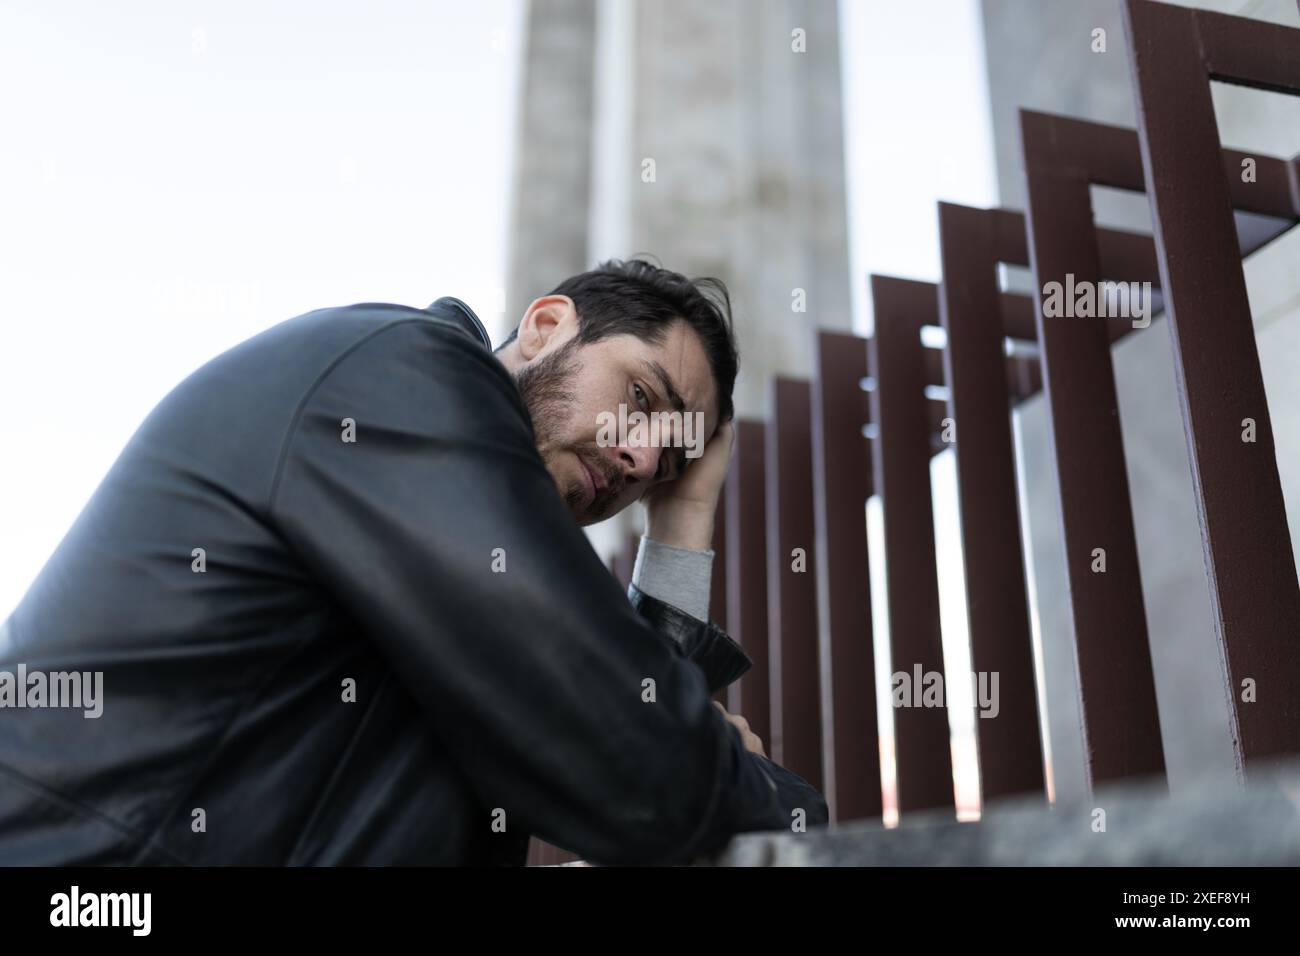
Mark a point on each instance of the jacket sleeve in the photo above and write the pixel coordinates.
(440, 532)
(723, 661)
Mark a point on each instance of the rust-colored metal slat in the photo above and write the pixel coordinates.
(792, 590)
(841, 487)
(746, 569)
(1121, 721)
(972, 242)
(1173, 53)
(902, 480)
(718, 580)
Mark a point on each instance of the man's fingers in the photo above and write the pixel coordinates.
(753, 743)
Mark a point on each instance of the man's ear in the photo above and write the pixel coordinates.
(549, 322)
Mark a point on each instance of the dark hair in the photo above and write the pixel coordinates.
(636, 297)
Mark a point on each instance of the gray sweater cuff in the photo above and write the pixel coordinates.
(676, 576)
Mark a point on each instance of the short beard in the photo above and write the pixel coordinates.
(548, 396)
(546, 389)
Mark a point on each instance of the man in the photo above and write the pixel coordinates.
(341, 615)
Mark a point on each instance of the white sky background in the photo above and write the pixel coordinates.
(918, 130)
(178, 176)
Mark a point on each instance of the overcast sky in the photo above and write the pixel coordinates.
(176, 179)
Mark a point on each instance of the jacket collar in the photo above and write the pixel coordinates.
(456, 311)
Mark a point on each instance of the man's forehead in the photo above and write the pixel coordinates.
(680, 364)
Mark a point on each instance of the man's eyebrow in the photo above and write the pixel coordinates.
(666, 383)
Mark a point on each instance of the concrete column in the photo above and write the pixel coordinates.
(741, 117)
(552, 179)
(718, 149)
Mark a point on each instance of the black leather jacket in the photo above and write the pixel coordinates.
(486, 704)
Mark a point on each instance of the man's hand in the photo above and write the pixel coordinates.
(680, 513)
(752, 742)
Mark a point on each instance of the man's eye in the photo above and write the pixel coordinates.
(641, 398)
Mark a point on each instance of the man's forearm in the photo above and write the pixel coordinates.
(681, 577)
(676, 576)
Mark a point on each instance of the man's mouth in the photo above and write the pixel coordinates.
(592, 486)
(596, 481)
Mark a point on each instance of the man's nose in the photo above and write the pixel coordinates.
(640, 462)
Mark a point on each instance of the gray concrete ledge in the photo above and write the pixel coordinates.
(1206, 824)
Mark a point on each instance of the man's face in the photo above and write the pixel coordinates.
(573, 393)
